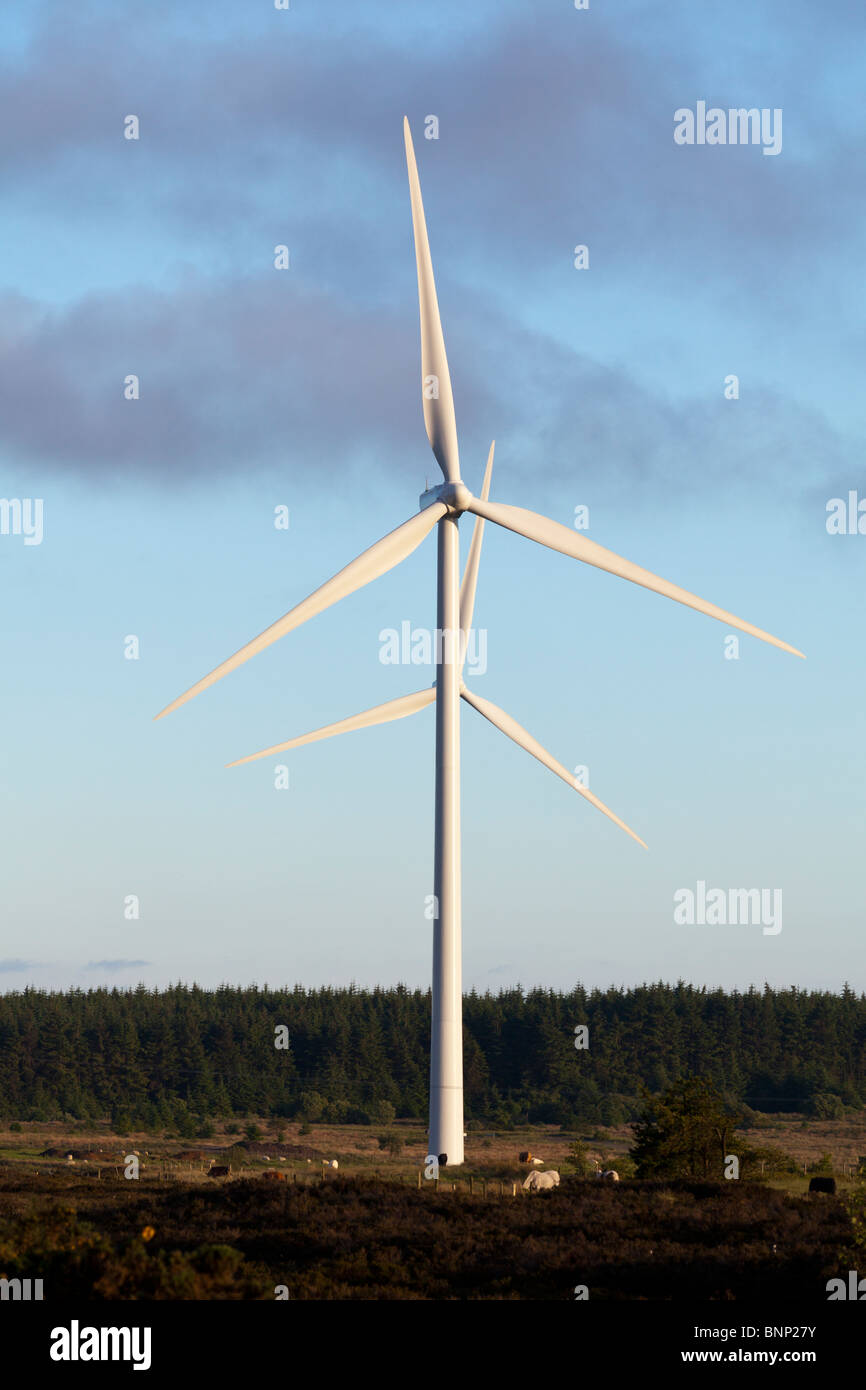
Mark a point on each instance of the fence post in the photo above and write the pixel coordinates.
(419, 1179)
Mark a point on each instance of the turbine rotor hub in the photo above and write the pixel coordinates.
(456, 497)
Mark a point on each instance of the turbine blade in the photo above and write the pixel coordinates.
(523, 739)
(439, 410)
(381, 714)
(558, 537)
(377, 560)
(470, 577)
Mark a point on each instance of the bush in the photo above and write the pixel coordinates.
(825, 1106)
(581, 1164)
(186, 1125)
(392, 1142)
(823, 1166)
(765, 1162)
(382, 1112)
(312, 1105)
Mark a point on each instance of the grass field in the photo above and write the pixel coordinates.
(358, 1151)
(365, 1230)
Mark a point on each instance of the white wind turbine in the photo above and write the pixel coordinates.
(443, 506)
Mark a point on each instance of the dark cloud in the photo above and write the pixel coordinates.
(551, 132)
(244, 376)
(548, 130)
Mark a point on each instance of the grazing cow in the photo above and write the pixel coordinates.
(823, 1185)
(273, 1175)
(539, 1181)
(609, 1173)
(220, 1170)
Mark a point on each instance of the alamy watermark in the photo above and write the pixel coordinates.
(21, 1290)
(846, 517)
(717, 125)
(718, 907)
(22, 516)
(420, 647)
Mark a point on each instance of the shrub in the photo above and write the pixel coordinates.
(382, 1112)
(392, 1142)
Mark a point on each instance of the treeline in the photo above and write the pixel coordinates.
(180, 1056)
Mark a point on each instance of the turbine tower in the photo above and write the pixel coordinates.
(442, 506)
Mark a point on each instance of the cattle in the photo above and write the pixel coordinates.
(827, 1185)
(219, 1170)
(524, 1157)
(273, 1174)
(537, 1182)
(609, 1173)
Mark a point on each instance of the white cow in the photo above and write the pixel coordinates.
(539, 1181)
(609, 1173)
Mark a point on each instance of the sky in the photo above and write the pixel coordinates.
(607, 387)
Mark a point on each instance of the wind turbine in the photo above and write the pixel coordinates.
(442, 507)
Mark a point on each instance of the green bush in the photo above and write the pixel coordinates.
(392, 1142)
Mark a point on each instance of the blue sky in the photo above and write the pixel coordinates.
(260, 387)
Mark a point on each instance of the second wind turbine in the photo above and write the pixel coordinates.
(442, 506)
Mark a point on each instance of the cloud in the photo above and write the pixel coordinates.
(551, 132)
(14, 966)
(112, 966)
(545, 126)
(225, 388)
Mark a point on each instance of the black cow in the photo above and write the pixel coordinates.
(827, 1185)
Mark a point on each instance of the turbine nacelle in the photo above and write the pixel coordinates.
(455, 496)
